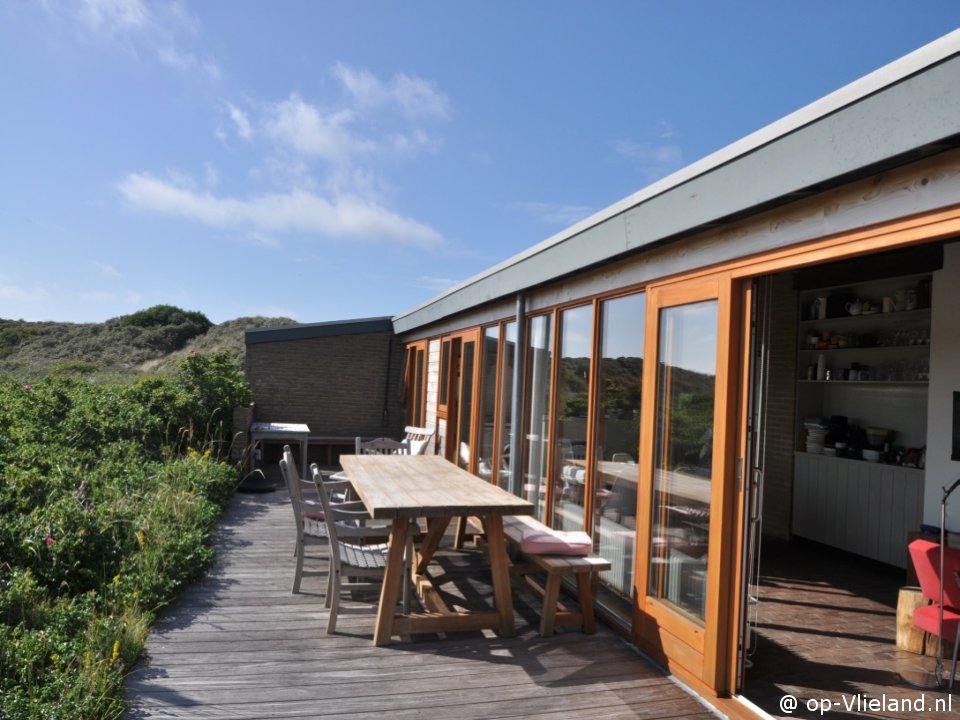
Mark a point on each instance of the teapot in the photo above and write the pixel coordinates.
(854, 307)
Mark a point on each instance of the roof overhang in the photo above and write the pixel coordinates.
(336, 328)
(903, 111)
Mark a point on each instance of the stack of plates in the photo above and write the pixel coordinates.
(815, 439)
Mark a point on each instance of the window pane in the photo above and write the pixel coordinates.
(488, 390)
(537, 420)
(418, 388)
(683, 454)
(506, 402)
(619, 385)
(444, 371)
(573, 385)
(466, 404)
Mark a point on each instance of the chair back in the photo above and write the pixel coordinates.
(418, 438)
(323, 489)
(291, 476)
(382, 446)
(925, 555)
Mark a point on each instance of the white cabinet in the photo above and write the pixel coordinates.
(863, 508)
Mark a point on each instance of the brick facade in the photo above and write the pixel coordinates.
(340, 385)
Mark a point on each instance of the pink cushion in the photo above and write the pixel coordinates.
(555, 542)
(313, 514)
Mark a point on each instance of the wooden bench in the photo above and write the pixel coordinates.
(556, 567)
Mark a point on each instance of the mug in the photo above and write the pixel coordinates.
(899, 300)
(854, 307)
(888, 304)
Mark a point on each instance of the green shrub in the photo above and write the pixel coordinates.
(108, 496)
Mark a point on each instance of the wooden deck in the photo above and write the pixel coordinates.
(241, 645)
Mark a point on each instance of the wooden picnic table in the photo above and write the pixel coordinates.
(404, 488)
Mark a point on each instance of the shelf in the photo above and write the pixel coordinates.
(919, 383)
(904, 315)
(872, 348)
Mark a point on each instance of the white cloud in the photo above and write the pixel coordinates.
(241, 121)
(105, 269)
(211, 174)
(436, 284)
(656, 159)
(301, 126)
(413, 96)
(345, 217)
(114, 15)
(172, 56)
(20, 294)
(161, 29)
(553, 213)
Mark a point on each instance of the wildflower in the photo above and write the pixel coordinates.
(192, 453)
(116, 651)
(49, 541)
(141, 538)
(55, 659)
(116, 579)
(28, 387)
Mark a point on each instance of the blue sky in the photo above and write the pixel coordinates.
(330, 160)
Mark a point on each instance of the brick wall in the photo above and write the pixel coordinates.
(781, 410)
(334, 384)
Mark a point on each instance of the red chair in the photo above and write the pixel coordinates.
(926, 560)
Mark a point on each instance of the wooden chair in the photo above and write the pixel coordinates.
(309, 519)
(382, 446)
(418, 438)
(307, 513)
(358, 553)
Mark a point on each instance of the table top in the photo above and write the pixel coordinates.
(393, 486)
(274, 428)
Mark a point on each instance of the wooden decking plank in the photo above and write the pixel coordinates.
(240, 645)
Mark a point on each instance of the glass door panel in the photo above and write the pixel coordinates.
(619, 388)
(537, 409)
(573, 386)
(464, 447)
(488, 403)
(683, 456)
(505, 422)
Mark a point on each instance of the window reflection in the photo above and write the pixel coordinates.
(488, 396)
(505, 436)
(683, 454)
(619, 385)
(573, 385)
(537, 404)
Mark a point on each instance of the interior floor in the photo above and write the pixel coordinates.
(827, 624)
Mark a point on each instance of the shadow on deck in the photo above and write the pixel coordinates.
(239, 644)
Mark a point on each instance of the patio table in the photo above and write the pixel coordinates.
(404, 488)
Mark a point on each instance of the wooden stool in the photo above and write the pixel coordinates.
(910, 638)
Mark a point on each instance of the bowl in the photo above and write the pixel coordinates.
(871, 455)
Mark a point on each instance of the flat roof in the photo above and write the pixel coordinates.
(894, 114)
(284, 333)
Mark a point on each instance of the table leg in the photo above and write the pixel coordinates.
(392, 577)
(436, 527)
(500, 570)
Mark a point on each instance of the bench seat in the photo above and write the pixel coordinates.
(586, 568)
